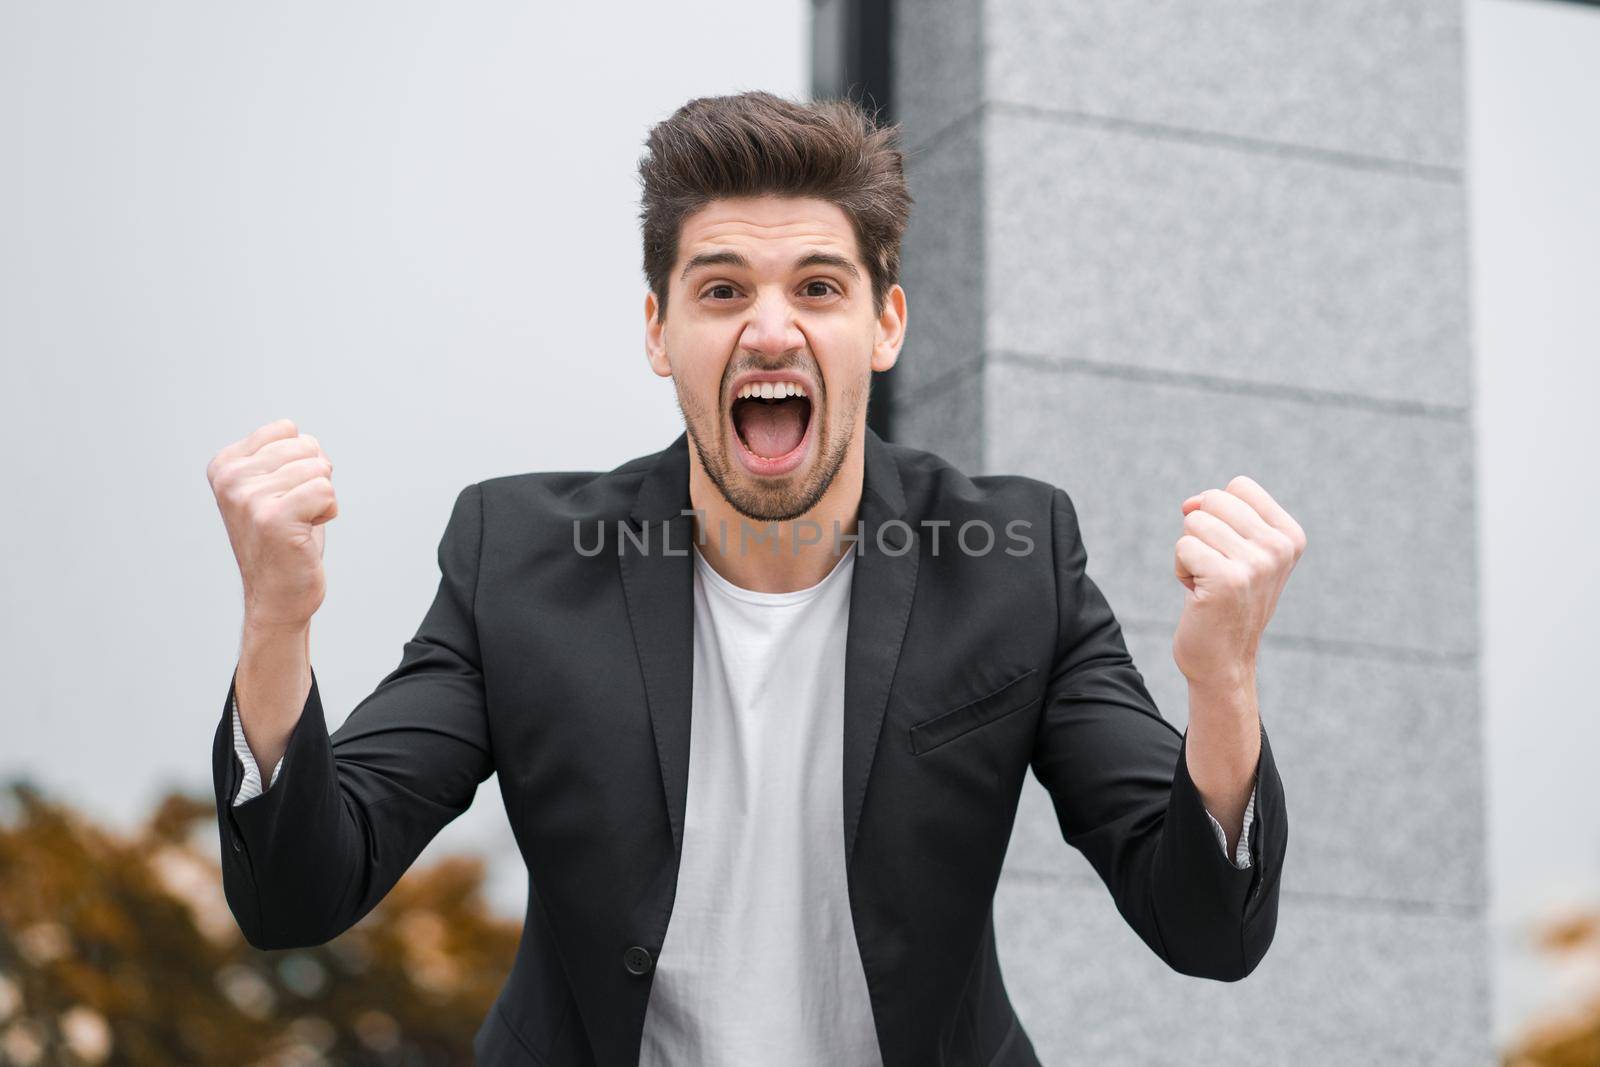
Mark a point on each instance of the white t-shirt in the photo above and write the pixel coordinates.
(760, 964)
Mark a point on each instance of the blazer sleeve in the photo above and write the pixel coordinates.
(1117, 774)
(306, 859)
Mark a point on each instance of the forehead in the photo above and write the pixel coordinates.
(767, 226)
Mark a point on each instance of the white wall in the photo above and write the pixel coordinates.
(412, 228)
(1534, 81)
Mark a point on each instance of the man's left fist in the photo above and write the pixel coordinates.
(1236, 552)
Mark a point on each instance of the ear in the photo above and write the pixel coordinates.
(655, 347)
(891, 329)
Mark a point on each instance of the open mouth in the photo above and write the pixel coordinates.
(773, 427)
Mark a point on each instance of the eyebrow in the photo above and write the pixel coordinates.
(734, 259)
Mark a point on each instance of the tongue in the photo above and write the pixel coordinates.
(771, 430)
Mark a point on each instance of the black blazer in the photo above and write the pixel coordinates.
(569, 674)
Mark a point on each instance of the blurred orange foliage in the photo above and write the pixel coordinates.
(1571, 1037)
(120, 949)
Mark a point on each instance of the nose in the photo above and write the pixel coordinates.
(773, 328)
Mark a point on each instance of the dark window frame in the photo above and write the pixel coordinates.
(852, 57)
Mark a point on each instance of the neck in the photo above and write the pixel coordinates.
(778, 557)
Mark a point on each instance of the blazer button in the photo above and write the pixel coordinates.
(637, 960)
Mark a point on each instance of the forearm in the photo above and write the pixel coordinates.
(271, 685)
(1224, 750)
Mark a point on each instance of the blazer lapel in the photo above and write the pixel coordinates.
(659, 588)
(880, 605)
(660, 593)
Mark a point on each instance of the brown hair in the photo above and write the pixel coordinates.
(754, 144)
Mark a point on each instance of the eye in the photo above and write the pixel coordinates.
(825, 284)
(714, 288)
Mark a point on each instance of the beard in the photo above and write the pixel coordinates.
(783, 498)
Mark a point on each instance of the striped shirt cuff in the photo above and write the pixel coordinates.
(251, 787)
(1241, 858)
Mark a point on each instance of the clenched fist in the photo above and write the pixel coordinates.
(1236, 552)
(275, 490)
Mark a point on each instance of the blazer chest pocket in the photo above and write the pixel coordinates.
(947, 726)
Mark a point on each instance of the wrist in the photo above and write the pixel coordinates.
(1236, 690)
(274, 643)
(273, 629)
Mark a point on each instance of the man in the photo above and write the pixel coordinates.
(761, 703)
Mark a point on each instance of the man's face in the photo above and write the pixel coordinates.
(771, 293)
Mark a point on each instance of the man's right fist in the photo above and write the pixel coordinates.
(275, 491)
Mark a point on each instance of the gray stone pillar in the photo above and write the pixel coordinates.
(1158, 245)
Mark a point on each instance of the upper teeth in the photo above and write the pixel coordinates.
(770, 390)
